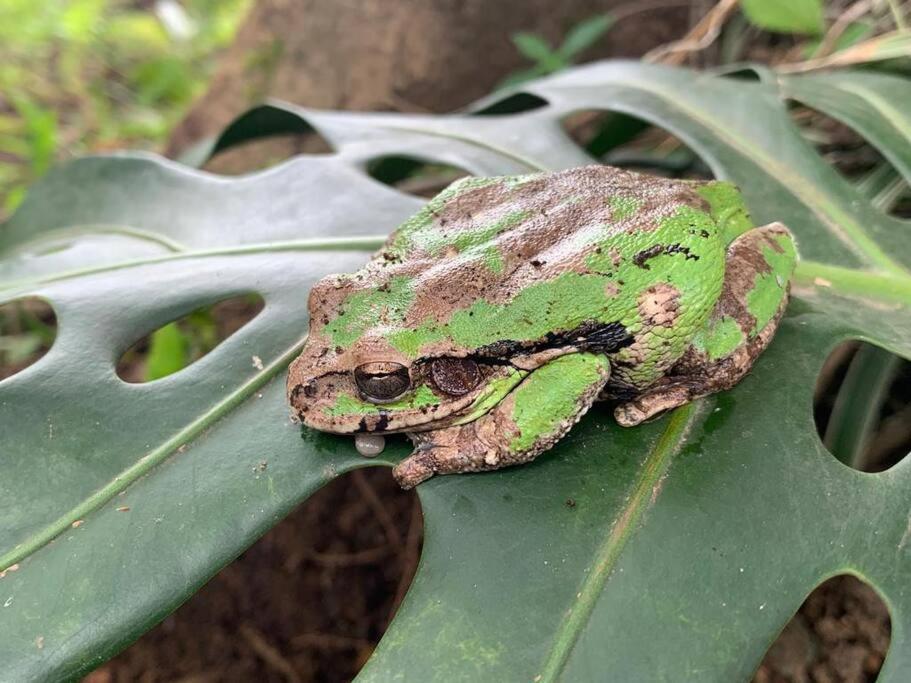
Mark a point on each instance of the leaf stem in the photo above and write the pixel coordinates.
(850, 282)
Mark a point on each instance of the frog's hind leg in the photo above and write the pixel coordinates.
(534, 416)
(758, 269)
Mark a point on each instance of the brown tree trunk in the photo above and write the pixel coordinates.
(405, 55)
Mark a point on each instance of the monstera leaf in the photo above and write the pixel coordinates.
(672, 551)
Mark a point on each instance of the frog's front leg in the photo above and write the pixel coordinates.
(758, 268)
(533, 416)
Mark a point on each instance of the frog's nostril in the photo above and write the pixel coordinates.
(383, 381)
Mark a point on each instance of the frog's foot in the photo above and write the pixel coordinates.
(752, 301)
(651, 404)
(533, 417)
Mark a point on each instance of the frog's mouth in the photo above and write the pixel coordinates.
(436, 397)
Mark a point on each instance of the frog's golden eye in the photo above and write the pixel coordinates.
(383, 381)
(455, 376)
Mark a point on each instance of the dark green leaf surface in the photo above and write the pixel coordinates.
(691, 540)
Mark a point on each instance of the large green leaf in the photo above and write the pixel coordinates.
(672, 551)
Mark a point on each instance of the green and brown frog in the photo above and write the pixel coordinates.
(489, 322)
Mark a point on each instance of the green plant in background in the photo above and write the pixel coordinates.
(874, 33)
(23, 333)
(786, 16)
(78, 76)
(702, 531)
(548, 59)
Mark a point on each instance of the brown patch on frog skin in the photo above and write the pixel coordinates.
(659, 305)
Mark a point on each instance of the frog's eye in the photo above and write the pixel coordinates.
(455, 376)
(382, 381)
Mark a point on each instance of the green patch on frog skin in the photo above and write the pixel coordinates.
(768, 290)
(624, 206)
(570, 299)
(719, 338)
(535, 311)
(495, 391)
(549, 397)
(727, 208)
(403, 244)
(366, 309)
(346, 404)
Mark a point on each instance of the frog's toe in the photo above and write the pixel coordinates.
(651, 404)
(629, 415)
(413, 470)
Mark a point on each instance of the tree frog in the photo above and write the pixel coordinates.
(490, 321)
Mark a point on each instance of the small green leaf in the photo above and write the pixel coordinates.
(40, 132)
(168, 352)
(786, 16)
(533, 46)
(585, 34)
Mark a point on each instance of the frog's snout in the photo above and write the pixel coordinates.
(382, 381)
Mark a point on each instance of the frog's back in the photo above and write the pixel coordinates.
(538, 258)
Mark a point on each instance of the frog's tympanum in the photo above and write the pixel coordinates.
(491, 320)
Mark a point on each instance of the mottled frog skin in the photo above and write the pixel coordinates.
(490, 321)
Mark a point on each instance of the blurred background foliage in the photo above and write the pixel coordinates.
(82, 76)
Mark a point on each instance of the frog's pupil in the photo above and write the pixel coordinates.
(383, 381)
(455, 376)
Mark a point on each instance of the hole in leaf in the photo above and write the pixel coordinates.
(862, 406)
(315, 594)
(742, 72)
(28, 328)
(629, 142)
(517, 103)
(412, 175)
(841, 633)
(858, 161)
(174, 346)
(263, 137)
(266, 152)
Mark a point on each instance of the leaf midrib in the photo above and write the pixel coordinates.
(642, 496)
(149, 461)
(365, 243)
